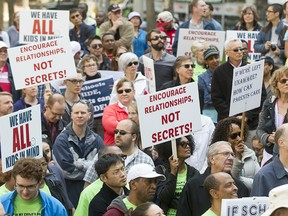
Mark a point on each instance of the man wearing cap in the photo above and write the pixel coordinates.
(274, 173)
(278, 202)
(165, 24)
(197, 21)
(142, 180)
(118, 26)
(139, 41)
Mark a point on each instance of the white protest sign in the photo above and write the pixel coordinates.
(169, 114)
(41, 63)
(250, 37)
(150, 73)
(186, 36)
(42, 25)
(247, 206)
(115, 74)
(246, 88)
(21, 136)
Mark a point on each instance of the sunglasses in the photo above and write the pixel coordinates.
(124, 90)
(132, 63)
(162, 37)
(187, 66)
(76, 81)
(96, 46)
(283, 81)
(184, 144)
(75, 16)
(238, 49)
(235, 135)
(121, 132)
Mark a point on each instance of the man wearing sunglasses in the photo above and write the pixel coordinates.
(221, 86)
(122, 29)
(27, 199)
(195, 200)
(163, 61)
(95, 47)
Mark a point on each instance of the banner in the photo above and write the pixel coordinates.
(41, 63)
(246, 87)
(250, 37)
(169, 114)
(42, 25)
(20, 136)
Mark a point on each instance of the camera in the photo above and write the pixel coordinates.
(273, 47)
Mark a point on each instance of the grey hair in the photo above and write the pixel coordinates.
(229, 41)
(125, 59)
(214, 148)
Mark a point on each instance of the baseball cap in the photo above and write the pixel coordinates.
(3, 44)
(209, 52)
(278, 198)
(134, 14)
(164, 18)
(143, 171)
(113, 8)
(76, 47)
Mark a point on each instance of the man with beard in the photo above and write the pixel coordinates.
(163, 61)
(195, 200)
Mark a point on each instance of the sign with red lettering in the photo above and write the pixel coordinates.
(41, 63)
(250, 37)
(169, 114)
(186, 36)
(20, 136)
(42, 25)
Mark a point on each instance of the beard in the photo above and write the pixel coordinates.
(158, 47)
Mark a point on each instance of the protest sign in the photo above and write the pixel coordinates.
(41, 63)
(169, 114)
(247, 206)
(21, 136)
(96, 92)
(115, 74)
(250, 37)
(246, 88)
(42, 25)
(187, 36)
(149, 73)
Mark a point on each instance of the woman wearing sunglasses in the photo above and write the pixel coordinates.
(274, 112)
(245, 163)
(177, 173)
(128, 63)
(118, 111)
(184, 67)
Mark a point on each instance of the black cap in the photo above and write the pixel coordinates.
(113, 8)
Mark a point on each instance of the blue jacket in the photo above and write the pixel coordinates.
(206, 26)
(259, 45)
(139, 43)
(50, 205)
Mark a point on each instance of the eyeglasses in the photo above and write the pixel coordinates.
(90, 65)
(238, 49)
(121, 132)
(162, 37)
(187, 66)
(120, 91)
(54, 113)
(283, 81)
(29, 187)
(96, 46)
(75, 16)
(184, 144)
(226, 154)
(234, 135)
(132, 63)
(270, 11)
(76, 81)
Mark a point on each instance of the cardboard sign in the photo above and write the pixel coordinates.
(247, 206)
(250, 37)
(41, 63)
(169, 114)
(246, 87)
(21, 136)
(42, 25)
(149, 73)
(186, 36)
(115, 74)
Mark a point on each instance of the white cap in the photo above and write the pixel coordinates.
(76, 47)
(143, 171)
(278, 198)
(3, 44)
(135, 14)
(164, 16)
